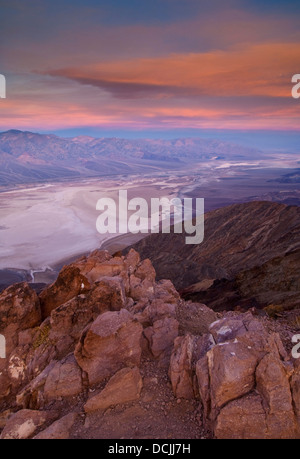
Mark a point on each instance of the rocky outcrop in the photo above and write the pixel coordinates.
(160, 337)
(187, 354)
(81, 348)
(19, 314)
(100, 317)
(69, 284)
(243, 379)
(19, 305)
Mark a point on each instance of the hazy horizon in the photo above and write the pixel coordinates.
(262, 139)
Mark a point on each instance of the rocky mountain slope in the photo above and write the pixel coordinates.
(249, 257)
(27, 157)
(107, 351)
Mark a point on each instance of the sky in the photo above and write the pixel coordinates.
(156, 67)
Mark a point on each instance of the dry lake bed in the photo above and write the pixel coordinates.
(42, 227)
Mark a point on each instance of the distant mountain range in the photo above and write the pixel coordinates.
(27, 157)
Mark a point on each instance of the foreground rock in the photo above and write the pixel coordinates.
(82, 346)
(243, 379)
(63, 380)
(125, 386)
(19, 313)
(25, 423)
(110, 343)
(59, 430)
(69, 284)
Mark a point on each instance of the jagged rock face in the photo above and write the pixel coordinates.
(93, 342)
(243, 379)
(249, 257)
(181, 366)
(84, 328)
(69, 284)
(19, 311)
(160, 337)
(279, 281)
(275, 282)
(19, 305)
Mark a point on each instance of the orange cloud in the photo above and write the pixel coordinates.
(241, 88)
(261, 70)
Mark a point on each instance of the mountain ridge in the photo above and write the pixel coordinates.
(27, 157)
(237, 239)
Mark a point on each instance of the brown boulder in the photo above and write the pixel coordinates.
(142, 281)
(160, 337)
(232, 368)
(187, 352)
(108, 293)
(4, 417)
(159, 309)
(16, 366)
(243, 418)
(180, 371)
(245, 382)
(19, 305)
(195, 318)
(273, 386)
(69, 284)
(165, 290)
(25, 423)
(72, 317)
(59, 430)
(131, 261)
(19, 311)
(32, 395)
(125, 386)
(109, 268)
(110, 343)
(140, 289)
(86, 263)
(42, 350)
(203, 380)
(145, 271)
(63, 380)
(226, 329)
